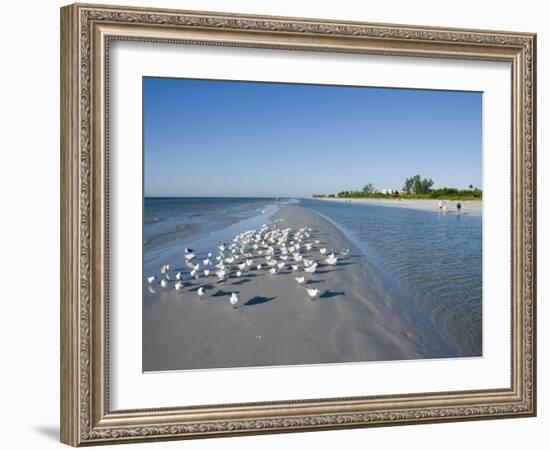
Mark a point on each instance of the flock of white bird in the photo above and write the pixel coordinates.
(270, 248)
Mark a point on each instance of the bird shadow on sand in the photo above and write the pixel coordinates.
(258, 300)
(196, 288)
(341, 264)
(314, 281)
(330, 294)
(241, 281)
(253, 275)
(221, 293)
(328, 271)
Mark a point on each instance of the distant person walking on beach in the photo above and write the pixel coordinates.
(458, 206)
(440, 204)
(444, 206)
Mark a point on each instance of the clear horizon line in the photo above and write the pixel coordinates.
(228, 196)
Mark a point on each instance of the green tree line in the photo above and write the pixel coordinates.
(413, 187)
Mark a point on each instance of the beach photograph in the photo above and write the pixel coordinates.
(294, 224)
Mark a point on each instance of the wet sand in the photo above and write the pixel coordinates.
(358, 316)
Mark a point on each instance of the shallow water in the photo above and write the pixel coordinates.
(171, 224)
(434, 259)
(169, 220)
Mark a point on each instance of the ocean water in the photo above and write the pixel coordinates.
(172, 223)
(175, 220)
(433, 260)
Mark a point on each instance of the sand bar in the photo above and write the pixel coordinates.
(357, 317)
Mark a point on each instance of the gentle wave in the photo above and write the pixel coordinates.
(169, 220)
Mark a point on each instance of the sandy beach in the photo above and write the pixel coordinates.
(356, 318)
(468, 206)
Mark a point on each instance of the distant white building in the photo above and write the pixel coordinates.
(388, 191)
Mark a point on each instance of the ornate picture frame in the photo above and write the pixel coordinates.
(86, 34)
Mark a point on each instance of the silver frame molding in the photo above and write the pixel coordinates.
(86, 32)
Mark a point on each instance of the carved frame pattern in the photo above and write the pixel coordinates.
(86, 418)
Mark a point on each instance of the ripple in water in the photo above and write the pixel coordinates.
(434, 259)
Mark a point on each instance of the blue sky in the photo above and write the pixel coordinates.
(227, 138)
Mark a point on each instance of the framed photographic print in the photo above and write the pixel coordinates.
(276, 224)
